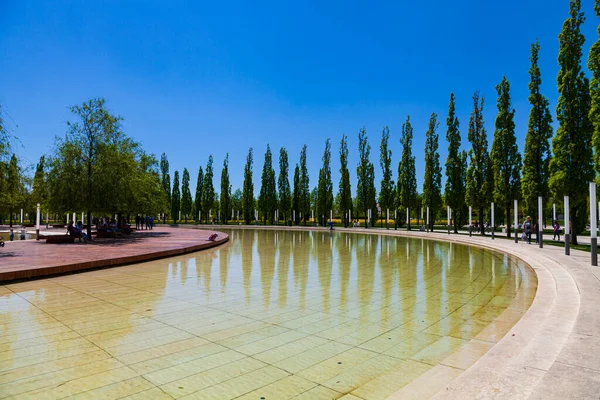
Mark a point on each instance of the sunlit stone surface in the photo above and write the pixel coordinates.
(274, 315)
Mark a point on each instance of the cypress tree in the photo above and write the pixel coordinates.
(505, 156)
(386, 192)
(165, 178)
(39, 194)
(454, 191)
(186, 195)
(225, 203)
(267, 199)
(407, 179)
(536, 157)
(248, 191)
(15, 189)
(198, 209)
(208, 191)
(432, 182)
(345, 192)
(175, 199)
(296, 196)
(479, 174)
(365, 172)
(304, 197)
(572, 168)
(324, 200)
(283, 183)
(594, 67)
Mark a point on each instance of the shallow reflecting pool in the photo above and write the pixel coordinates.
(273, 315)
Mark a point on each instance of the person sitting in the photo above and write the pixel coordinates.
(82, 234)
(213, 237)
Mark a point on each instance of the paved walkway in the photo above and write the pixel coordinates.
(553, 352)
(30, 258)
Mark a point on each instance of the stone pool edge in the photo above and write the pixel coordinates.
(548, 353)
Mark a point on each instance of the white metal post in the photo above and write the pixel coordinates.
(593, 224)
(427, 219)
(492, 220)
(567, 227)
(387, 219)
(553, 212)
(540, 226)
(448, 217)
(470, 221)
(37, 223)
(516, 222)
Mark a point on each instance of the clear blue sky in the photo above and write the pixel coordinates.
(217, 77)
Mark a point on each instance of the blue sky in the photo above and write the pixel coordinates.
(199, 78)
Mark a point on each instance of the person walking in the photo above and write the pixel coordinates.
(528, 228)
(556, 227)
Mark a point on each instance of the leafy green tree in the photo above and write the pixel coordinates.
(175, 199)
(88, 153)
(296, 195)
(248, 191)
(225, 202)
(432, 182)
(208, 191)
(165, 177)
(324, 201)
(304, 196)
(407, 179)
(505, 156)
(267, 199)
(198, 209)
(454, 191)
(536, 158)
(15, 188)
(386, 192)
(40, 189)
(236, 201)
(594, 67)
(344, 191)
(480, 182)
(186, 195)
(365, 171)
(283, 183)
(314, 193)
(572, 168)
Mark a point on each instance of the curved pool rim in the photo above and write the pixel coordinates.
(526, 361)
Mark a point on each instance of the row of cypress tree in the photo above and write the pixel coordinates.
(551, 165)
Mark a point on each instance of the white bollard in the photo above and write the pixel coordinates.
(516, 218)
(540, 225)
(567, 228)
(593, 224)
(492, 220)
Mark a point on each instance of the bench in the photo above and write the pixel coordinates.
(60, 239)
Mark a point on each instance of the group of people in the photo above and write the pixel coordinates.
(106, 224)
(146, 221)
(76, 230)
(531, 227)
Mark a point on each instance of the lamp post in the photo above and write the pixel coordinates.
(37, 223)
(428, 219)
(470, 221)
(448, 216)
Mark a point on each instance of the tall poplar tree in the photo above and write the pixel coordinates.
(594, 67)
(40, 189)
(283, 184)
(186, 195)
(480, 181)
(386, 191)
(505, 156)
(304, 198)
(248, 191)
(15, 188)
(225, 202)
(365, 172)
(267, 199)
(198, 209)
(345, 191)
(536, 157)
(208, 191)
(324, 202)
(175, 199)
(571, 167)
(165, 178)
(432, 182)
(407, 179)
(296, 195)
(454, 191)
